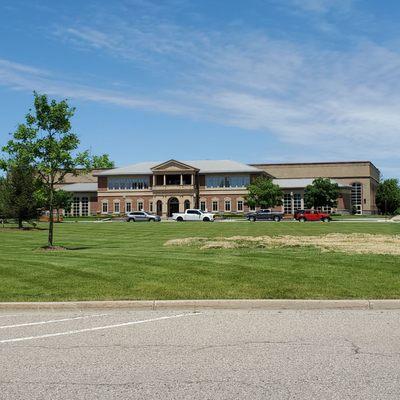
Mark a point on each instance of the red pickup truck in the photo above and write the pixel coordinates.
(311, 215)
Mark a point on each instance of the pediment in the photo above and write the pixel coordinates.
(173, 166)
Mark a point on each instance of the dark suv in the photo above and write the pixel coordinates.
(311, 215)
(264, 215)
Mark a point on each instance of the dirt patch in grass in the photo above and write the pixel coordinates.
(53, 248)
(355, 243)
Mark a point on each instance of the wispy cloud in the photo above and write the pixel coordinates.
(344, 102)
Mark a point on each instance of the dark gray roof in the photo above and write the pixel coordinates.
(81, 187)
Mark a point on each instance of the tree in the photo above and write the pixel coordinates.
(263, 193)
(46, 142)
(102, 161)
(62, 201)
(17, 194)
(388, 196)
(321, 193)
(3, 212)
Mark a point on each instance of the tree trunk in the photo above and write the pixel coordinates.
(51, 222)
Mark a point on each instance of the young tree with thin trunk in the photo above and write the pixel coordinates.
(45, 140)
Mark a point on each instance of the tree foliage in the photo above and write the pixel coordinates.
(46, 143)
(102, 161)
(321, 193)
(388, 196)
(262, 192)
(17, 194)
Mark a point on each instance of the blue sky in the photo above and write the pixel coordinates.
(254, 81)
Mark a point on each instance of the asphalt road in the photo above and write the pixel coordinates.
(210, 355)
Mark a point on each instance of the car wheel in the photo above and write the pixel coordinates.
(252, 219)
(302, 220)
(179, 219)
(132, 220)
(325, 220)
(206, 219)
(151, 219)
(277, 219)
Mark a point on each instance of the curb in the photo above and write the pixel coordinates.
(195, 305)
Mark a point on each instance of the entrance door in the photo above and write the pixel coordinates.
(173, 206)
(159, 208)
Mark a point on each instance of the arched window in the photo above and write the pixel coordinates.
(186, 204)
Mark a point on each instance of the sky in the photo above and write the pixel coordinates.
(248, 80)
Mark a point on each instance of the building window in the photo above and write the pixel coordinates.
(203, 206)
(151, 206)
(128, 206)
(240, 205)
(186, 204)
(297, 201)
(127, 183)
(215, 205)
(227, 181)
(104, 207)
(356, 197)
(252, 208)
(85, 206)
(75, 207)
(287, 203)
(140, 205)
(227, 205)
(116, 207)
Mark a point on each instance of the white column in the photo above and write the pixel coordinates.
(181, 179)
(165, 179)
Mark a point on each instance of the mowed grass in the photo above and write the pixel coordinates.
(129, 261)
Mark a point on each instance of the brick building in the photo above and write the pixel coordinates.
(214, 185)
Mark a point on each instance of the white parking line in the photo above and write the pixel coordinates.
(98, 328)
(10, 315)
(52, 321)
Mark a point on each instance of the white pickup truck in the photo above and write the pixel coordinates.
(193, 215)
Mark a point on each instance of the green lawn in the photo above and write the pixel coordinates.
(129, 261)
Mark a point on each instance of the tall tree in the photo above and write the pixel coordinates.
(45, 140)
(262, 192)
(388, 196)
(321, 193)
(17, 193)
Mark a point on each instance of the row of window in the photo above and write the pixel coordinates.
(117, 207)
(128, 183)
(80, 207)
(140, 206)
(227, 205)
(227, 181)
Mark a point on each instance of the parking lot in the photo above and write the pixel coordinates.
(213, 354)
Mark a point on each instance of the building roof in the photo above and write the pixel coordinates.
(204, 166)
(80, 187)
(300, 183)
